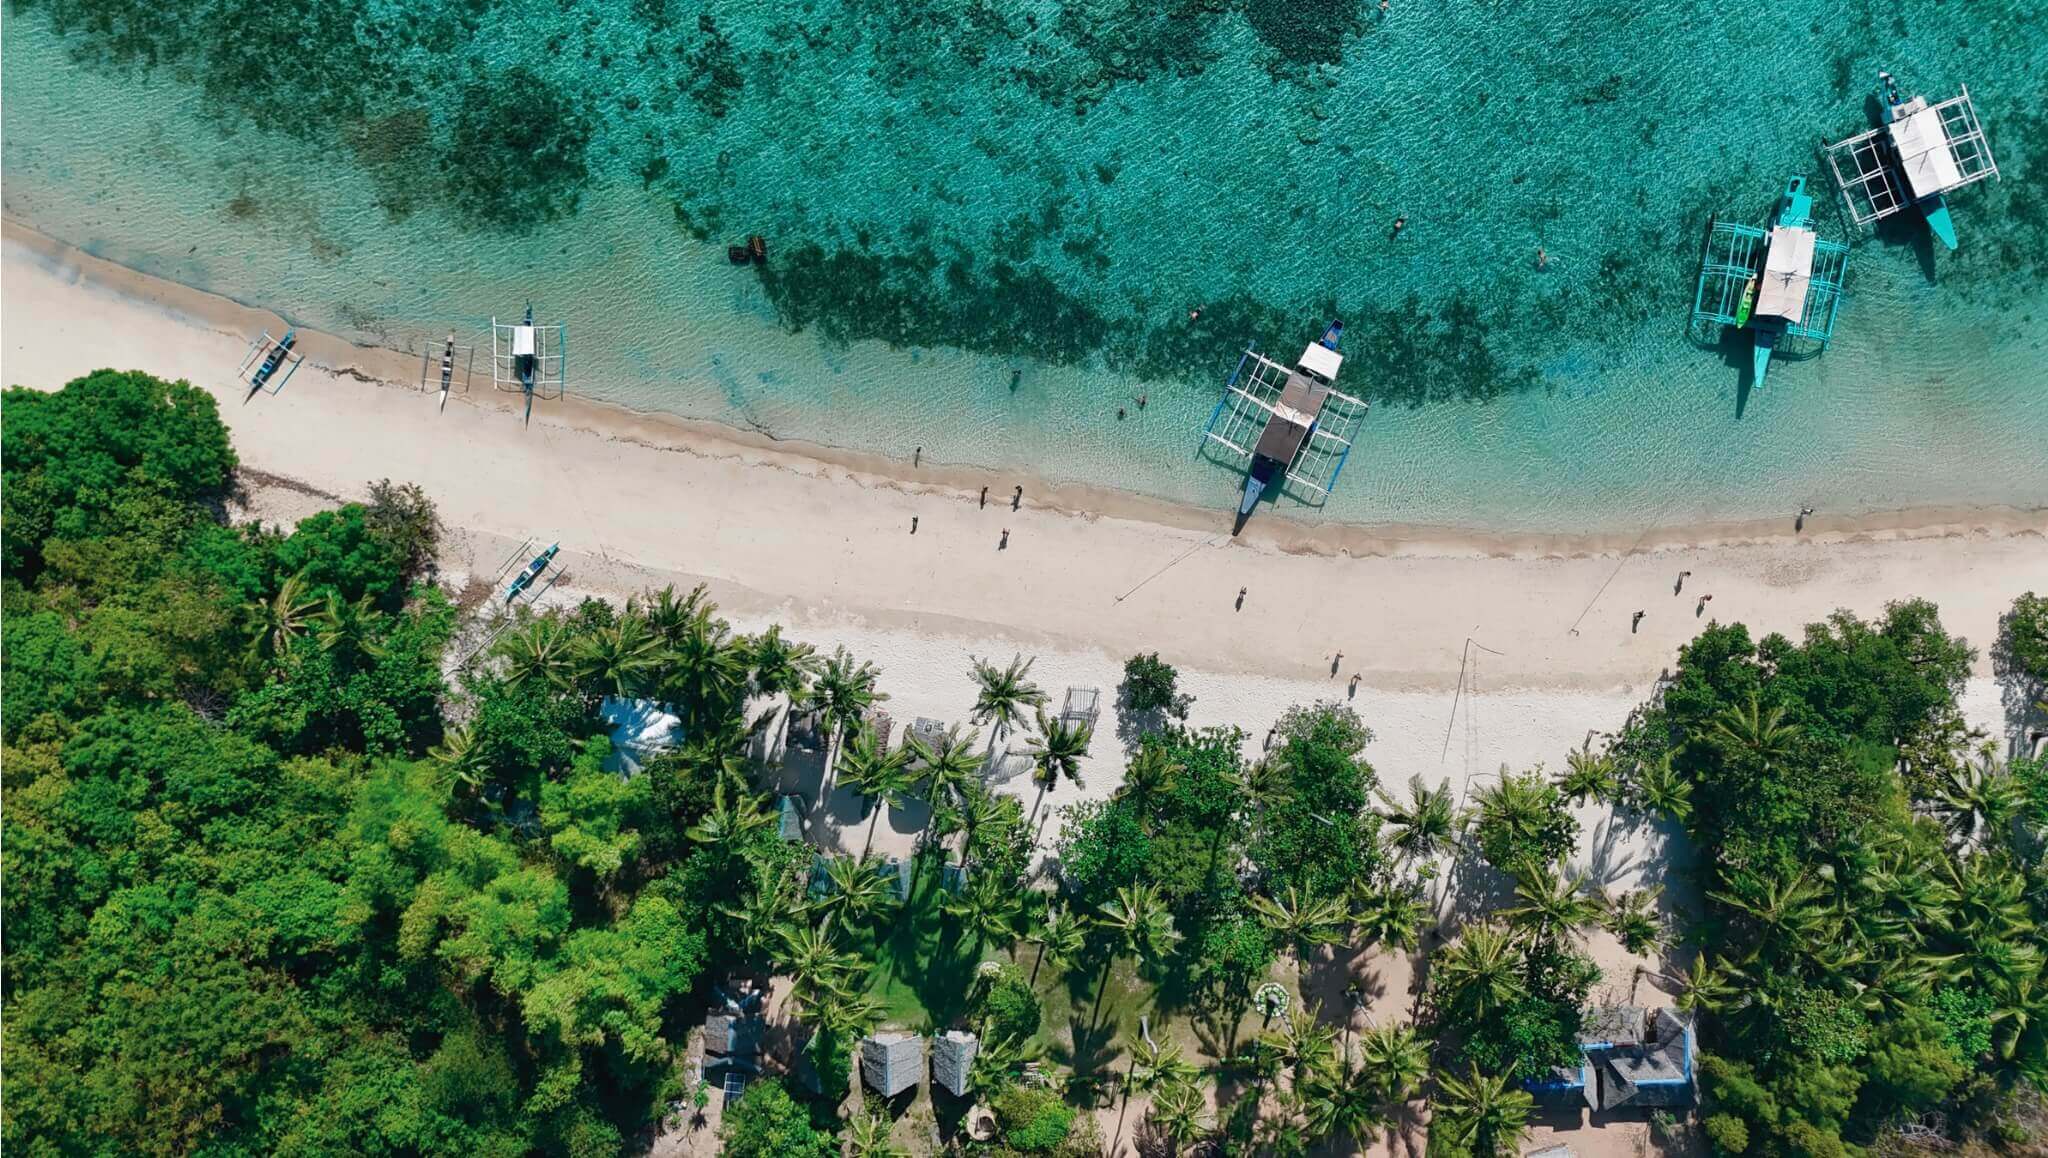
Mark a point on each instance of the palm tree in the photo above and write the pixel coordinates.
(867, 1136)
(730, 820)
(1981, 799)
(1300, 922)
(459, 755)
(1177, 1114)
(1424, 826)
(854, 891)
(843, 693)
(1392, 915)
(1156, 1067)
(1056, 753)
(1764, 733)
(1481, 971)
(948, 765)
(1059, 935)
(782, 668)
(670, 618)
(705, 674)
(1484, 1115)
(617, 658)
(275, 622)
(1346, 1101)
(758, 921)
(1265, 784)
(1549, 902)
(1633, 920)
(876, 774)
(1706, 986)
(1662, 789)
(1003, 694)
(988, 907)
(847, 1014)
(351, 628)
(1520, 809)
(1397, 1059)
(1588, 776)
(819, 970)
(1792, 910)
(539, 648)
(2020, 1015)
(1139, 927)
(1149, 771)
(1303, 1043)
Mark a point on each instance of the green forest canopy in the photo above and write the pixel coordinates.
(275, 883)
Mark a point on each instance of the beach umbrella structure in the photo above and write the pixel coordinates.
(1781, 281)
(1290, 423)
(1922, 153)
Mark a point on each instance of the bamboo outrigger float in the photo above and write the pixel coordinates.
(1921, 153)
(1304, 423)
(1782, 283)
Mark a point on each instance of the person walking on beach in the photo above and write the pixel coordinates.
(1680, 585)
(1799, 524)
(1004, 545)
(1240, 597)
(1636, 622)
(913, 524)
(1016, 500)
(984, 498)
(1701, 606)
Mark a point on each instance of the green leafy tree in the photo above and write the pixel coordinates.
(1152, 685)
(879, 776)
(767, 1123)
(1056, 755)
(1479, 1114)
(1522, 820)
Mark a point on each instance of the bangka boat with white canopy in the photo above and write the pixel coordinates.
(1780, 282)
(1923, 152)
(1292, 424)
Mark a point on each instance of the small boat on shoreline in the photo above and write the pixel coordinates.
(1304, 423)
(531, 572)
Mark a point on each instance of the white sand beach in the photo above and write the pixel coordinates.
(1464, 653)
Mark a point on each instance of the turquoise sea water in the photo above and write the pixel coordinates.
(956, 191)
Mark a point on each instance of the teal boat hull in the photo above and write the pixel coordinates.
(1938, 221)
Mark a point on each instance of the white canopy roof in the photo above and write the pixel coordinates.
(522, 340)
(1924, 153)
(1321, 361)
(1788, 270)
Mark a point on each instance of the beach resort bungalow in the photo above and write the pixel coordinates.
(640, 730)
(1628, 1057)
(953, 1060)
(732, 1037)
(891, 1063)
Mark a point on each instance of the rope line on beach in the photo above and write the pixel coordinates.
(1464, 662)
(1622, 562)
(1176, 561)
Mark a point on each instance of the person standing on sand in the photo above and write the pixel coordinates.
(1016, 500)
(1799, 524)
(917, 456)
(1636, 622)
(984, 498)
(913, 524)
(1004, 545)
(1680, 585)
(1701, 606)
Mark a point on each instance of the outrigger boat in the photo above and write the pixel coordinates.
(532, 571)
(1922, 153)
(1778, 282)
(1307, 423)
(266, 356)
(447, 369)
(525, 355)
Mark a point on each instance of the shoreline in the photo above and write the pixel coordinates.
(396, 370)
